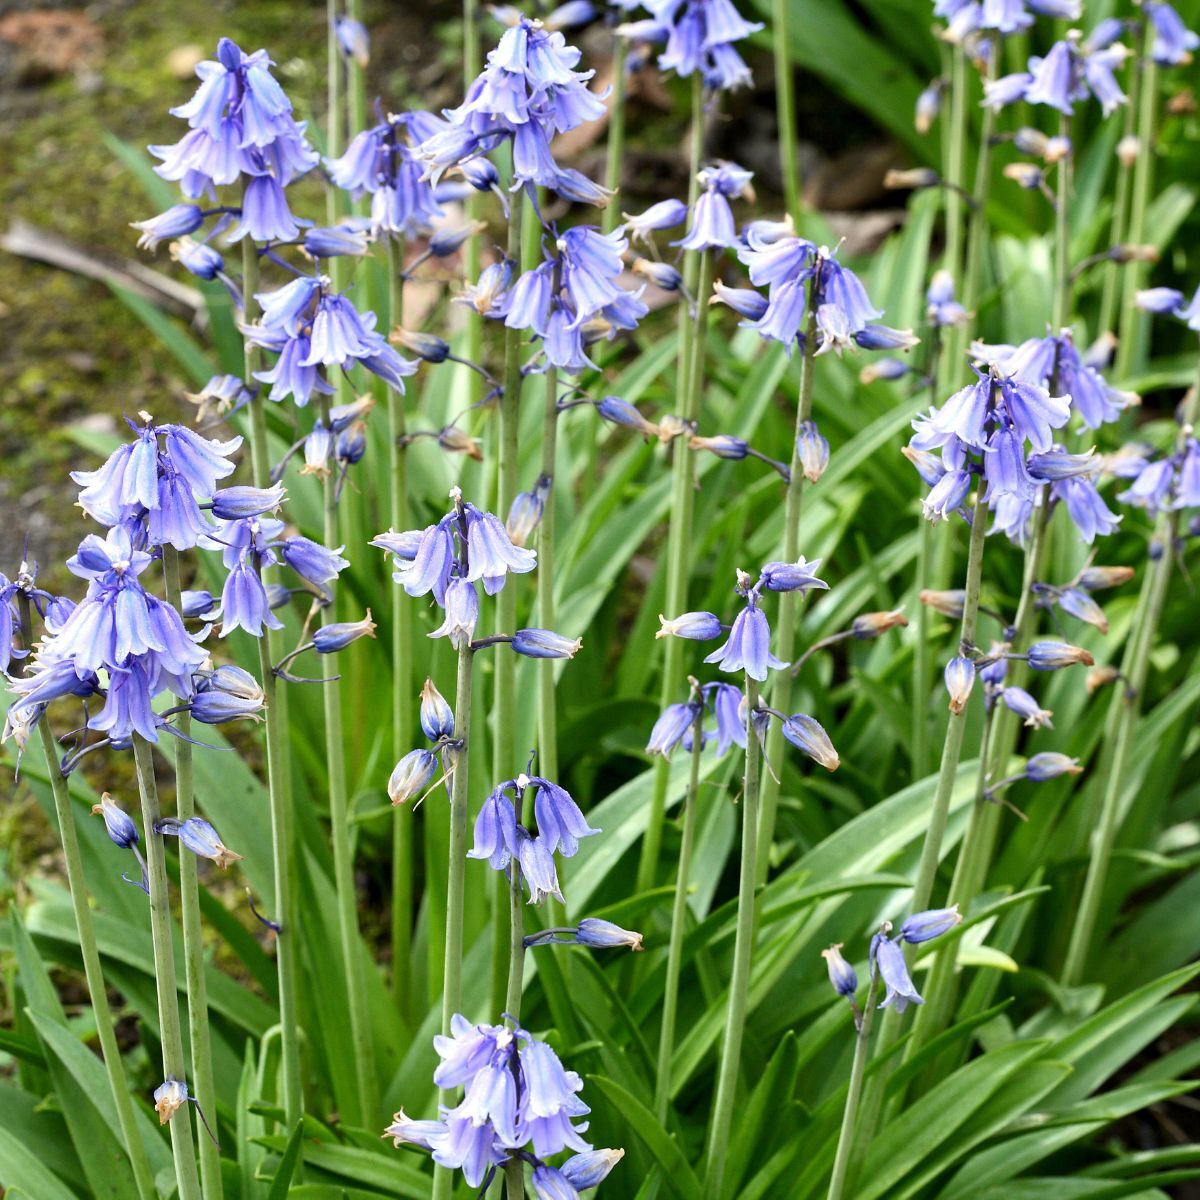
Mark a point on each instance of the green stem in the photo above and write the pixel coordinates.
(193, 937)
(516, 944)
(504, 752)
(1062, 235)
(858, 1071)
(956, 152)
(679, 545)
(666, 1043)
(547, 714)
(171, 1034)
(789, 605)
(275, 723)
(616, 134)
(922, 659)
(333, 115)
(357, 79)
(92, 969)
(366, 1084)
(1135, 670)
(739, 981)
(443, 1180)
(977, 225)
(785, 107)
(1120, 216)
(1128, 347)
(402, 707)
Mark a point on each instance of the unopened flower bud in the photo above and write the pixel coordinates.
(1128, 149)
(870, 625)
(525, 515)
(929, 105)
(1030, 141)
(925, 926)
(1080, 605)
(454, 439)
(724, 445)
(672, 426)
(806, 734)
(199, 837)
(329, 639)
(318, 450)
(437, 717)
(447, 241)
(544, 643)
(745, 301)
(800, 576)
(1095, 579)
(1049, 765)
(1019, 701)
(960, 679)
(813, 451)
(695, 626)
(591, 1168)
(661, 274)
(235, 503)
(196, 603)
(1099, 677)
(605, 935)
(411, 776)
(616, 411)
(914, 177)
(1057, 148)
(883, 368)
(1025, 175)
(169, 1098)
(1126, 253)
(426, 346)
(1053, 656)
(949, 604)
(842, 975)
(117, 822)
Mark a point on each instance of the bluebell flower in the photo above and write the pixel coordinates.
(496, 830)
(1067, 74)
(1019, 701)
(178, 220)
(748, 646)
(946, 496)
(712, 226)
(411, 776)
(727, 703)
(200, 838)
(525, 515)
(1161, 300)
(700, 36)
(234, 503)
(549, 1183)
(1079, 604)
(227, 693)
(590, 1168)
(169, 1097)
(930, 924)
(744, 301)
(807, 735)
(842, 975)
(671, 728)
(559, 820)
(893, 970)
(942, 309)
(618, 412)
(1173, 42)
(311, 561)
(461, 606)
(666, 214)
(353, 40)
(380, 162)
(491, 555)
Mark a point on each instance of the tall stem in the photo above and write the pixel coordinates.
(1121, 197)
(785, 107)
(739, 981)
(514, 1169)
(666, 1042)
(275, 721)
(858, 1071)
(977, 225)
(956, 153)
(789, 605)
(171, 1034)
(365, 1098)
(193, 938)
(1062, 234)
(402, 706)
(504, 751)
(547, 714)
(616, 134)
(443, 1180)
(93, 971)
(1134, 669)
(1128, 347)
(679, 523)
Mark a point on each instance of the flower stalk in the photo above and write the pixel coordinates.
(785, 107)
(789, 602)
(193, 938)
(858, 1072)
(275, 724)
(174, 1066)
(666, 1043)
(743, 949)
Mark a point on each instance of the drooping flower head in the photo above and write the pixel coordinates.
(1070, 72)
(528, 92)
(241, 130)
(699, 36)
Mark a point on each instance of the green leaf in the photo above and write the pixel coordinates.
(21, 1168)
(287, 1165)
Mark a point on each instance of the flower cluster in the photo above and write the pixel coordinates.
(528, 91)
(380, 162)
(1071, 71)
(699, 36)
(804, 279)
(241, 128)
(501, 839)
(312, 327)
(724, 701)
(517, 1094)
